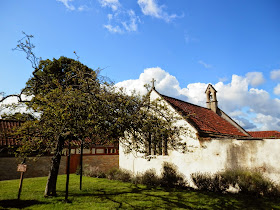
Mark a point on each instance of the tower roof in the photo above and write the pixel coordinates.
(209, 88)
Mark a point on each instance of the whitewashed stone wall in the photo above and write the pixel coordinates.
(211, 155)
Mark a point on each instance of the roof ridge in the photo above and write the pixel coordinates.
(184, 101)
(265, 131)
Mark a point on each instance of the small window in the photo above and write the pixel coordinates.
(157, 148)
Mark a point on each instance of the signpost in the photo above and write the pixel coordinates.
(21, 168)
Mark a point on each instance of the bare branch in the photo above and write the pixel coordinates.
(26, 46)
(19, 96)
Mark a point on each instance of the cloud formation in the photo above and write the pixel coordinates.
(67, 4)
(120, 20)
(83, 8)
(276, 90)
(255, 78)
(253, 108)
(71, 7)
(151, 8)
(113, 4)
(275, 74)
(11, 105)
(207, 66)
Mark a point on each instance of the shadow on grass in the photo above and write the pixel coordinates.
(14, 203)
(185, 199)
(239, 201)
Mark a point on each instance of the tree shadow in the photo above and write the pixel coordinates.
(239, 201)
(20, 204)
(184, 199)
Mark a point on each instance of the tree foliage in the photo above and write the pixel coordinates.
(74, 101)
(153, 129)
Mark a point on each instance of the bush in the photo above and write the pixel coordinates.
(250, 182)
(207, 181)
(119, 174)
(150, 179)
(93, 171)
(78, 170)
(247, 182)
(137, 179)
(170, 176)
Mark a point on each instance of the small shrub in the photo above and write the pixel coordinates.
(170, 176)
(119, 174)
(93, 171)
(78, 170)
(202, 181)
(253, 182)
(247, 182)
(112, 174)
(150, 178)
(137, 179)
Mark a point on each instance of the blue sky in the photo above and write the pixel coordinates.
(183, 44)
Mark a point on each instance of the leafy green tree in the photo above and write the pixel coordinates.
(75, 102)
(72, 101)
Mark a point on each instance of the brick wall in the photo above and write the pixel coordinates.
(40, 166)
(103, 162)
(36, 167)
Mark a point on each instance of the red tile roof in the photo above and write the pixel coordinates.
(265, 134)
(7, 139)
(204, 120)
(6, 128)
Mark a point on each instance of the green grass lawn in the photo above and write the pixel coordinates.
(107, 194)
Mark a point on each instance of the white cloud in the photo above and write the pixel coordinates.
(151, 8)
(267, 122)
(71, 7)
(83, 8)
(67, 4)
(11, 105)
(262, 110)
(275, 74)
(110, 17)
(113, 29)
(255, 78)
(165, 83)
(120, 20)
(131, 23)
(207, 66)
(113, 4)
(276, 90)
(223, 79)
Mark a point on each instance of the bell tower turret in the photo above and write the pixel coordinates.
(211, 98)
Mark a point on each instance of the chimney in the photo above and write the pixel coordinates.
(211, 98)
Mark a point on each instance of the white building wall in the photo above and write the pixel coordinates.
(211, 155)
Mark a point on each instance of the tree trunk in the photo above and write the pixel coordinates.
(50, 189)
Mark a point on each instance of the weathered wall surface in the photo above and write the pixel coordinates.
(213, 156)
(103, 162)
(41, 166)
